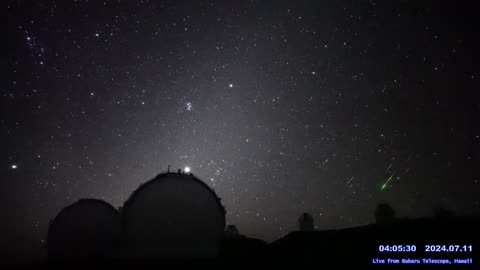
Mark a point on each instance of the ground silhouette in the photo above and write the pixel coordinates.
(177, 217)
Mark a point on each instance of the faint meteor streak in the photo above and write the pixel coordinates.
(350, 180)
(389, 167)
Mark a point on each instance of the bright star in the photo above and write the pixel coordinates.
(230, 85)
(187, 169)
(14, 166)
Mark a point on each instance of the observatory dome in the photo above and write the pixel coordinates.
(174, 215)
(86, 228)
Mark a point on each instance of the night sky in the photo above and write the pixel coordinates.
(281, 107)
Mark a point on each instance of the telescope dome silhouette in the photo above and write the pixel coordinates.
(174, 215)
(86, 228)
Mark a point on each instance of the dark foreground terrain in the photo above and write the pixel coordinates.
(432, 241)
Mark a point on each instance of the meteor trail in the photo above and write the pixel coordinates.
(389, 167)
(384, 186)
(350, 180)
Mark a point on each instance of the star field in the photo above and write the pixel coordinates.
(282, 108)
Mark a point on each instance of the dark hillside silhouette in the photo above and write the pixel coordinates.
(237, 246)
(361, 244)
(442, 212)
(232, 232)
(176, 216)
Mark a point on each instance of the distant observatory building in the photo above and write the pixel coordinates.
(175, 215)
(384, 214)
(306, 222)
(87, 228)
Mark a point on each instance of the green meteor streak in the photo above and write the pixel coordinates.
(384, 186)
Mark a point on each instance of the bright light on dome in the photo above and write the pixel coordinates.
(187, 169)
